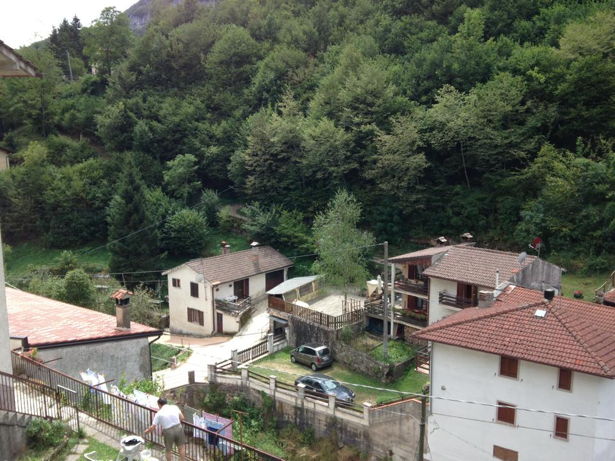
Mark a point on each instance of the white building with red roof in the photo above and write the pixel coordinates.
(523, 378)
(75, 338)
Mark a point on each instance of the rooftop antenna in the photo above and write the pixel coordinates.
(521, 258)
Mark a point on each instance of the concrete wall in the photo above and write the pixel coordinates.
(469, 431)
(5, 350)
(129, 359)
(389, 432)
(438, 311)
(230, 323)
(539, 275)
(180, 300)
(12, 435)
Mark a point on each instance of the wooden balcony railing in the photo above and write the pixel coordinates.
(400, 315)
(455, 301)
(412, 286)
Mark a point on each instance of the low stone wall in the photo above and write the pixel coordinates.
(362, 362)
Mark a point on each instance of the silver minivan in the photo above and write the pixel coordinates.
(315, 356)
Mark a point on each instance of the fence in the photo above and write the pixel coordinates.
(258, 350)
(131, 417)
(355, 314)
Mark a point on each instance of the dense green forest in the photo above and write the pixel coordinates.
(445, 116)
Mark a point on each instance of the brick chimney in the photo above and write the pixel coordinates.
(122, 311)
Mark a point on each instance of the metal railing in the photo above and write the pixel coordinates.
(412, 286)
(131, 417)
(238, 306)
(455, 301)
(376, 309)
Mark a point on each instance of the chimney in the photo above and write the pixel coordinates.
(225, 248)
(254, 250)
(485, 298)
(549, 294)
(441, 241)
(467, 237)
(122, 310)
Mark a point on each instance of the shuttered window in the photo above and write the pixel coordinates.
(565, 379)
(509, 367)
(506, 413)
(505, 454)
(196, 316)
(561, 427)
(194, 290)
(176, 283)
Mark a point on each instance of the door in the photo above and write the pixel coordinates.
(241, 288)
(219, 322)
(273, 279)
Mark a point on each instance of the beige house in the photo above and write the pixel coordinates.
(4, 159)
(216, 294)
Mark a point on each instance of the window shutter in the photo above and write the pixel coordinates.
(565, 379)
(509, 367)
(561, 427)
(412, 272)
(506, 413)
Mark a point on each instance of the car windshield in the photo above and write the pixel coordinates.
(323, 352)
(329, 385)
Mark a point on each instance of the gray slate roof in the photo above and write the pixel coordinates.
(239, 264)
(476, 266)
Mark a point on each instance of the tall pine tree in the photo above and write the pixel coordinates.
(133, 236)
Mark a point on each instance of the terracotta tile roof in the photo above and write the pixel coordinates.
(476, 266)
(239, 264)
(420, 254)
(46, 321)
(573, 334)
(121, 294)
(609, 296)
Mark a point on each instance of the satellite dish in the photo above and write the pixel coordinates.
(522, 256)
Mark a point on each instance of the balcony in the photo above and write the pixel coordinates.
(419, 286)
(413, 317)
(234, 307)
(455, 301)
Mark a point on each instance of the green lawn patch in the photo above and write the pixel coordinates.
(586, 283)
(162, 354)
(32, 255)
(279, 364)
(103, 452)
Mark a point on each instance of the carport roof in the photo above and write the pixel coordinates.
(292, 284)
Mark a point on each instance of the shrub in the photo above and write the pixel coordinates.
(209, 205)
(346, 334)
(42, 434)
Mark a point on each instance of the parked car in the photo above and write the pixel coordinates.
(323, 384)
(315, 356)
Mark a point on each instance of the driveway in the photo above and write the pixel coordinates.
(213, 349)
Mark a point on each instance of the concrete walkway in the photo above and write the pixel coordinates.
(210, 350)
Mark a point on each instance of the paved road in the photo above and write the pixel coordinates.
(213, 349)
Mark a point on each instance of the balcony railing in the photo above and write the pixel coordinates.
(455, 301)
(417, 318)
(234, 307)
(412, 286)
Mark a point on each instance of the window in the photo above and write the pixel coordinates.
(194, 290)
(509, 367)
(561, 428)
(506, 413)
(565, 379)
(176, 283)
(196, 316)
(505, 454)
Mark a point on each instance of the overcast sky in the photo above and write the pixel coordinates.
(25, 21)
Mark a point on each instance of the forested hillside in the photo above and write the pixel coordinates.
(490, 116)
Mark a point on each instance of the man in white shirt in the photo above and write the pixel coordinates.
(169, 418)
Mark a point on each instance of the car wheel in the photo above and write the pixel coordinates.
(293, 359)
(314, 367)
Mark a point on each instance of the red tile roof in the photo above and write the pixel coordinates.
(46, 321)
(121, 294)
(609, 296)
(573, 334)
(476, 266)
(239, 264)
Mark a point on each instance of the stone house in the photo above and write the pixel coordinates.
(74, 338)
(527, 376)
(217, 294)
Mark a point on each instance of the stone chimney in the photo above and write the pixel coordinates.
(485, 298)
(122, 309)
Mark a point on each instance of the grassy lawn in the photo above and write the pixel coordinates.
(586, 283)
(279, 364)
(162, 353)
(103, 452)
(30, 254)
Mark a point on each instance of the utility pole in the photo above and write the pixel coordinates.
(385, 302)
(422, 427)
(70, 69)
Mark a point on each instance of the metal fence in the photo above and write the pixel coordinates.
(133, 418)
